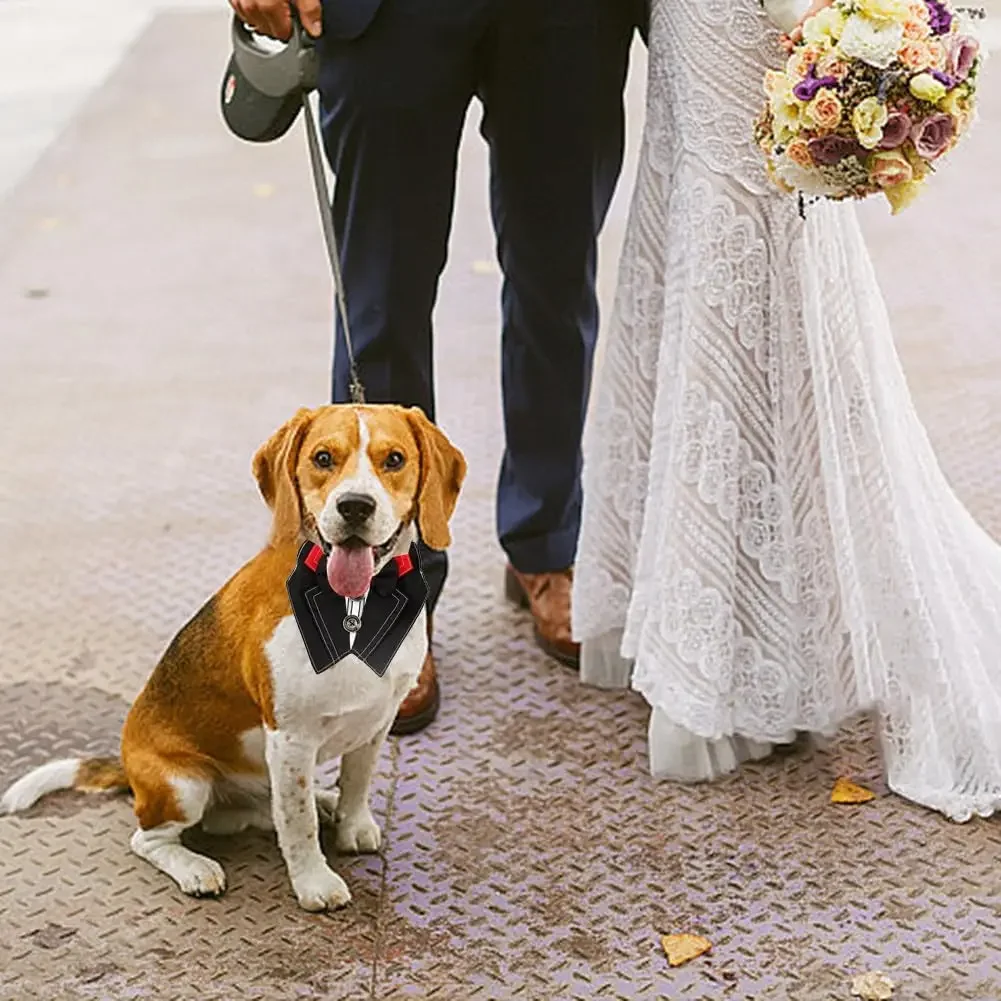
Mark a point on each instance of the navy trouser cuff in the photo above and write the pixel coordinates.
(543, 554)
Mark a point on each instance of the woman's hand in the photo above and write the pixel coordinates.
(796, 35)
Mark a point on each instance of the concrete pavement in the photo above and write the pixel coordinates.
(164, 305)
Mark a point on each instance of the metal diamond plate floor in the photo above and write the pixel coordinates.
(163, 306)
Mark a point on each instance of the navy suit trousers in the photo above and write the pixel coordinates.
(397, 78)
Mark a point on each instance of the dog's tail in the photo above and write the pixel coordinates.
(83, 774)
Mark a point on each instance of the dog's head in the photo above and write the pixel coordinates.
(360, 476)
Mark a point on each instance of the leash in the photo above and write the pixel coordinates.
(317, 166)
(263, 91)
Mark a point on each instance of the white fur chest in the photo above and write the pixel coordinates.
(348, 704)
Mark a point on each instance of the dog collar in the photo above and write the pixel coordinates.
(398, 566)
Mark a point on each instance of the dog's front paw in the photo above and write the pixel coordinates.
(358, 833)
(201, 877)
(322, 890)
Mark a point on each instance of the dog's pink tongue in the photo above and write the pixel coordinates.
(349, 571)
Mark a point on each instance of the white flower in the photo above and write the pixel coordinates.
(824, 27)
(969, 26)
(810, 182)
(870, 41)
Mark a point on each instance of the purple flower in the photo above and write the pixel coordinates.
(940, 19)
(808, 88)
(830, 150)
(933, 135)
(963, 52)
(943, 78)
(896, 131)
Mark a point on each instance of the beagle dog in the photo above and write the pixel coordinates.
(235, 713)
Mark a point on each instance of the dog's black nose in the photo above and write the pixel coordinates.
(356, 508)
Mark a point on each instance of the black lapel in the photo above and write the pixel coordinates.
(380, 636)
(329, 611)
(319, 613)
(379, 615)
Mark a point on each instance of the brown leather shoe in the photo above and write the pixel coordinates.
(547, 597)
(420, 707)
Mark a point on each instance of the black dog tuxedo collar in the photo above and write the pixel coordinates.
(394, 601)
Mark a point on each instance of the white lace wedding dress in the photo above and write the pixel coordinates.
(768, 544)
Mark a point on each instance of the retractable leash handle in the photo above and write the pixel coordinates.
(276, 72)
(280, 74)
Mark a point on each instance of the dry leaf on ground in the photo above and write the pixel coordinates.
(683, 948)
(848, 792)
(872, 987)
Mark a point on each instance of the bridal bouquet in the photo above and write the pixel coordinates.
(870, 99)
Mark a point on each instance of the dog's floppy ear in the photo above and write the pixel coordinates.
(443, 468)
(274, 470)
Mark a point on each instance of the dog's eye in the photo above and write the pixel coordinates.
(323, 459)
(394, 461)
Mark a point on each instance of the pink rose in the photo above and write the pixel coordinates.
(916, 55)
(830, 150)
(831, 65)
(890, 169)
(933, 135)
(896, 131)
(963, 52)
(799, 152)
(825, 110)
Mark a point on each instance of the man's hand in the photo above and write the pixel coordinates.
(274, 17)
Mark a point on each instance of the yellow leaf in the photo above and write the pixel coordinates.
(872, 987)
(900, 196)
(680, 949)
(848, 792)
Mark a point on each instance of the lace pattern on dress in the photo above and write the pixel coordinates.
(765, 523)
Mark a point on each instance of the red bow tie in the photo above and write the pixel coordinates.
(384, 581)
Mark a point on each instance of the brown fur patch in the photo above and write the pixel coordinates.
(212, 684)
(442, 473)
(428, 481)
(335, 430)
(98, 774)
(274, 469)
